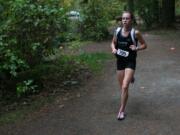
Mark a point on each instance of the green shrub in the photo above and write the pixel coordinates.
(114, 8)
(148, 11)
(34, 25)
(95, 20)
(29, 29)
(25, 87)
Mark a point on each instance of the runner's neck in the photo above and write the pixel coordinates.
(125, 30)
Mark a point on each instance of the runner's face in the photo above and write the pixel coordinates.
(126, 19)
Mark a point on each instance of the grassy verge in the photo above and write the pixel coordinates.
(93, 61)
(77, 44)
(24, 109)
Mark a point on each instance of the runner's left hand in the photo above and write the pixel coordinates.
(132, 47)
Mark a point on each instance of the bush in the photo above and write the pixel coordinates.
(25, 87)
(29, 30)
(95, 20)
(115, 8)
(34, 25)
(148, 11)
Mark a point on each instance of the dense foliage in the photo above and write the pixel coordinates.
(95, 20)
(29, 30)
(148, 11)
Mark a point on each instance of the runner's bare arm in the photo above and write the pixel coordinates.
(141, 40)
(113, 45)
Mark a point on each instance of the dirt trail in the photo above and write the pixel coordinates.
(153, 107)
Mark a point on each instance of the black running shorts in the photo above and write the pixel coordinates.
(124, 63)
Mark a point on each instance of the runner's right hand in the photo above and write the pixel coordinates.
(114, 51)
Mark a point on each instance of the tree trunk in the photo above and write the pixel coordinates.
(155, 10)
(168, 12)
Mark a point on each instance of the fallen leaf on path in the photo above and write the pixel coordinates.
(78, 95)
(65, 99)
(61, 47)
(172, 48)
(70, 82)
(61, 106)
(146, 35)
(142, 87)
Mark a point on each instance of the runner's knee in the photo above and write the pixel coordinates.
(125, 86)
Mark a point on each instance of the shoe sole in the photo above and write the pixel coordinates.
(120, 119)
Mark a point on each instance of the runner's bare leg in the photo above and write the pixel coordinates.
(128, 75)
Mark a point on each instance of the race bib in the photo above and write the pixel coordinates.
(122, 53)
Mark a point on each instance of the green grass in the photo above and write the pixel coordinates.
(72, 47)
(94, 61)
(11, 117)
(77, 44)
(23, 111)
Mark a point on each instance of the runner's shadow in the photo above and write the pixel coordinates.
(137, 109)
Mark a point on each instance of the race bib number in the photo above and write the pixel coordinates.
(122, 53)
